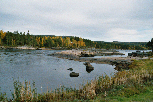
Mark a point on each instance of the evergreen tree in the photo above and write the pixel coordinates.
(150, 44)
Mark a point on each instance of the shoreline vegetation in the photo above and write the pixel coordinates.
(135, 84)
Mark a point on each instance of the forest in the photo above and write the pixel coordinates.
(122, 45)
(15, 38)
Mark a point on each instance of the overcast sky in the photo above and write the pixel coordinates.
(97, 20)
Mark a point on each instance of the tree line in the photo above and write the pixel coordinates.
(122, 45)
(21, 39)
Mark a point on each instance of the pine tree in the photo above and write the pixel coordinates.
(150, 44)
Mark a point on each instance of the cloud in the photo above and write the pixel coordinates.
(105, 20)
(118, 34)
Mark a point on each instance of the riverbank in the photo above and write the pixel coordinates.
(135, 84)
(19, 47)
(33, 48)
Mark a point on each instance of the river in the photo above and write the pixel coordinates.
(46, 71)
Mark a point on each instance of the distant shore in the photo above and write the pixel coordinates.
(19, 47)
(32, 48)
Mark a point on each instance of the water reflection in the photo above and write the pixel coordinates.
(89, 70)
(89, 67)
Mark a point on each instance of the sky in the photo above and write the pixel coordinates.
(97, 20)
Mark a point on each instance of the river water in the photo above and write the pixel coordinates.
(46, 71)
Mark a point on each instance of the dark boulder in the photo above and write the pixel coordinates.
(71, 69)
(73, 74)
(89, 67)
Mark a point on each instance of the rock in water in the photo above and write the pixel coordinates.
(71, 69)
(73, 74)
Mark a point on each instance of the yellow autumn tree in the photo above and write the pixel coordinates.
(42, 41)
(74, 43)
(2, 34)
(46, 37)
(38, 40)
(81, 43)
(52, 37)
(53, 42)
(67, 42)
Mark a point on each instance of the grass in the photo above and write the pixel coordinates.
(135, 84)
(141, 97)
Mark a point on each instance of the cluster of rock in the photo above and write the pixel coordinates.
(88, 53)
(97, 52)
(65, 56)
(89, 68)
(83, 56)
(120, 65)
(73, 74)
(138, 54)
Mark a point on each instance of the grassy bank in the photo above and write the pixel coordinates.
(135, 84)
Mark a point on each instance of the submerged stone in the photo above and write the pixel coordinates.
(71, 69)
